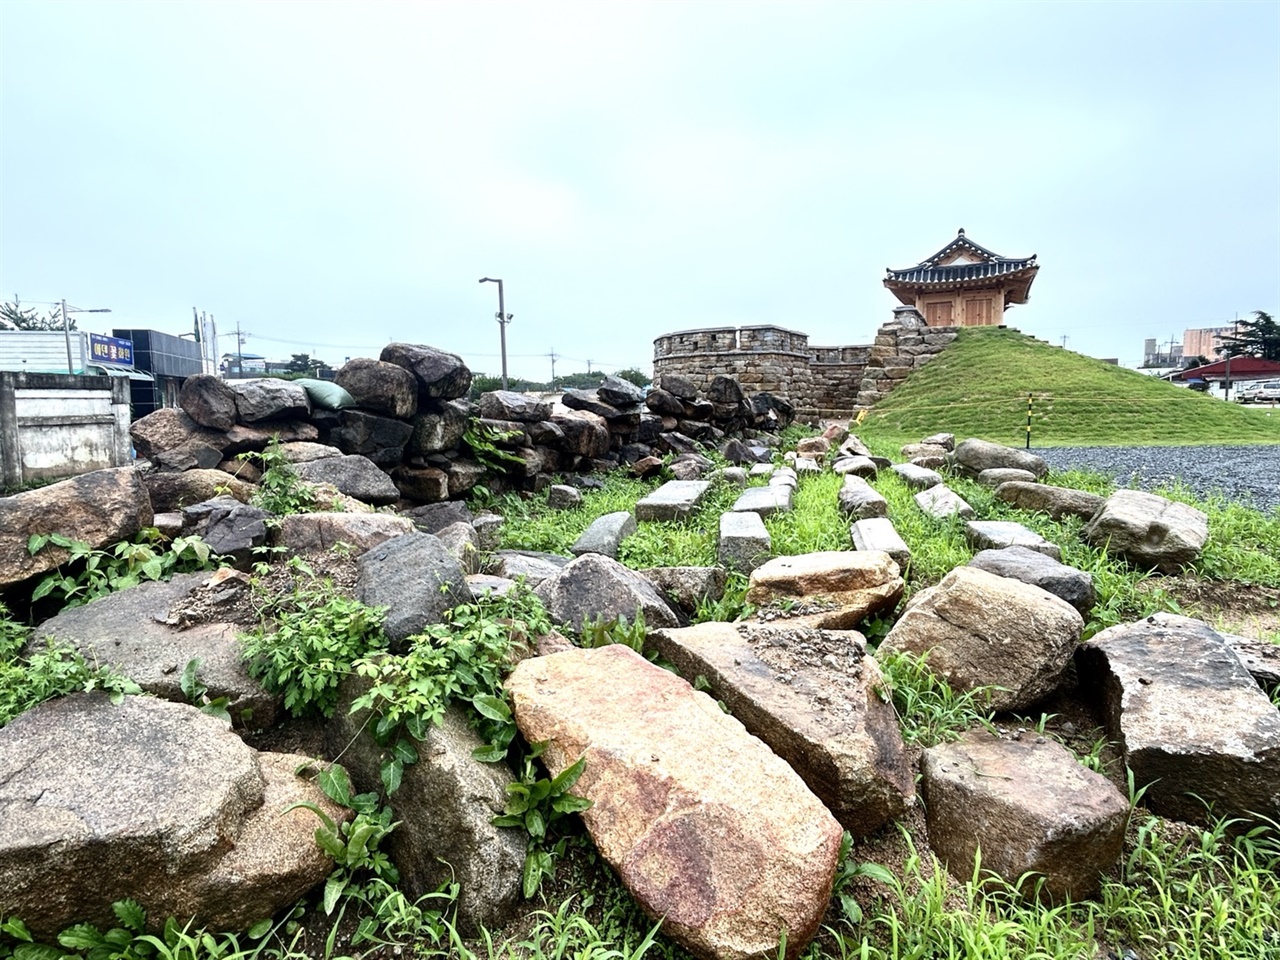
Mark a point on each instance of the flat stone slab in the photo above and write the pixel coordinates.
(703, 823)
(1029, 806)
(1189, 717)
(998, 475)
(879, 533)
(744, 542)
(533, 566)
(764, 500)
(831, 589)
(674, 500)
(760, 470)
(860, 500)
(997, 534)
(783, 476)
(1058, 502)
(915, 477)
(811, 695)
(861, 466)
(941, 503)
(605, 534)
(807, 465)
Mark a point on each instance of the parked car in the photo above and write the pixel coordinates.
(1264, 391)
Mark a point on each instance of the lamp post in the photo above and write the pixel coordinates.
(66, 328)
(503, 319)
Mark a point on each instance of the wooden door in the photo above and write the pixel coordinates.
(977, 312)
(938, 314)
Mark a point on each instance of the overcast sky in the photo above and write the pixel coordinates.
(333, 176)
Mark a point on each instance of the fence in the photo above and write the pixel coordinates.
(54, 425)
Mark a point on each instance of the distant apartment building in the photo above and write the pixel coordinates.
(1204, 341)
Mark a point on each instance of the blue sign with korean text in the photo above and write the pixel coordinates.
(110, 350)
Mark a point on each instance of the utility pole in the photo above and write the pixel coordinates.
(503, 319)
(554, 356)
(1065, 338)
(66, 328)
(239, 352)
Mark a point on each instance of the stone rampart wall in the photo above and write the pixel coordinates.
(821, 382)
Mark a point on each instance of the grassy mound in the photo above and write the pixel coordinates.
(978, 387)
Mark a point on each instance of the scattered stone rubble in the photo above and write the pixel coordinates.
(728, 826)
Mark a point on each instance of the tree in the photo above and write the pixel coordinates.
(304, 363)
(636, 376)
(28, 319)
(1200, 360)
(1259, 337)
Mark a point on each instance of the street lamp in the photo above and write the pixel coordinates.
(66, 328)
(503, 319)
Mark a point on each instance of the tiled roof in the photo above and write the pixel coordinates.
(991, 265)
(956, 272)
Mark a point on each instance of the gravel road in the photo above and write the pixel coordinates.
(1242, 473)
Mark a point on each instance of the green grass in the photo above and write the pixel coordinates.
(978, 387)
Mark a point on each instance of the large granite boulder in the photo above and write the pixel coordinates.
(509, 405)
(301, 533)
(1033, 567)
(982, 631)
(380, 387)
(973, 456)
(99, 508)
(832, 590)
(381, 439)
(814, 696)
(416, 578)
(585, 434)
(353, 475)
(1058, 502)
(170, 427)
(438, 429)
(1029, 806)
(232, 529)
(445, 805)
(620, 393)
(247, 437)
(269, 398)
(440, 375)
(1148, 530)
(173, 491)
(1194, 726)
(686, 588)
(137, 633)
(596, 587)
(152, 801)
(704, 825)
(209, 401)
(192, 455)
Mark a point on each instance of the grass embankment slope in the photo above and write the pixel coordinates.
(978, 387)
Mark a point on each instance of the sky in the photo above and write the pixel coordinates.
(333, 176)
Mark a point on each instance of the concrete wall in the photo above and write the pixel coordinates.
(54, 425)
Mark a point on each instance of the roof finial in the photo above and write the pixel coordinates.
(961, 233)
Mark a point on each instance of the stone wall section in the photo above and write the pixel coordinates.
(820, 382)
(903, 345)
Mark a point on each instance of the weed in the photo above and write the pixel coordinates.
(280, 491)
(929, 711)
(306, 643)
(536, 803)
(53, 671)
(198, 694)
(91, 573)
